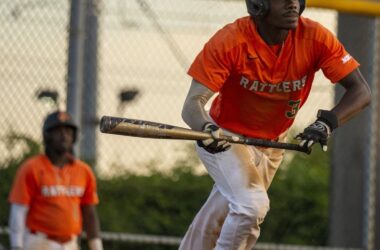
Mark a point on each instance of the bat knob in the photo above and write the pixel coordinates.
(103, 124)
(107, 123)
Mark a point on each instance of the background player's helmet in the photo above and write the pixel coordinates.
(59, 118)
(261, 7)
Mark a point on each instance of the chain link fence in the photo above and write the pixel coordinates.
(33, 48)
(143, 52)
(147, 46)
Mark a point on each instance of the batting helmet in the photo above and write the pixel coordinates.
(59, 118)
(261, 7)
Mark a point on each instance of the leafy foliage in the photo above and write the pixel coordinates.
(9, 167)
(299, 202)
(8, 170)
(166, 203)
(155, 204)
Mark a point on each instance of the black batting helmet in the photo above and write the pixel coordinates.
(261, 7)
(59, 118)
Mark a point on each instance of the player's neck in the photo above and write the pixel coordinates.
(272, 35)
(58, 159)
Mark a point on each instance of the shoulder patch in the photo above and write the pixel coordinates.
(346, 58)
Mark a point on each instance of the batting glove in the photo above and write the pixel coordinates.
(319, 131)
(215, 144)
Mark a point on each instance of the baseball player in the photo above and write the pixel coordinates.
(262, 67)
(53, 193)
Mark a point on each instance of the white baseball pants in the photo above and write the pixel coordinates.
(39, 241)
(238, 203)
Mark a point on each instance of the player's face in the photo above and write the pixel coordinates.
(60, 139)
(283, 14)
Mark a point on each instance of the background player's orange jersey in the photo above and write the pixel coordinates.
(271, 88)
(54, 195)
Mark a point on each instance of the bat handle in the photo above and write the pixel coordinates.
(266, 143)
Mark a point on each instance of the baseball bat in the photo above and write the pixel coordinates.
(155, 130)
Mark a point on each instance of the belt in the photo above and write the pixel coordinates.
(57, 238)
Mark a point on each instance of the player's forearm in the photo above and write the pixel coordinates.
(193, 112)
(355, 99)
(17, 225)
(350, 105)
(91, 222)
(92, 227)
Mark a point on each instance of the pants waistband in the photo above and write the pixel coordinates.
(60, 239)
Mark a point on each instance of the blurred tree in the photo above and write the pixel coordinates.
(8, 167)
(165, 203)
(299, 198)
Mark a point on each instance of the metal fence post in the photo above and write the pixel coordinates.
(90, 85)
(351, 216)
(75, 62)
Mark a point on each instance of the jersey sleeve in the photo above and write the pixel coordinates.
(24, 185)
(335, 62)
(212, 66)
(90, 195)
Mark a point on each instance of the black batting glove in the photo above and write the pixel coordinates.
(319, 131)
(215, 144)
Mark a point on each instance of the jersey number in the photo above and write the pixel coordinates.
(294, 107)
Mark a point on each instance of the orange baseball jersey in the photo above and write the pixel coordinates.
(262, 87)
(54, 195)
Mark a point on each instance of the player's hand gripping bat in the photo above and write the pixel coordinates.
(147, 129)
